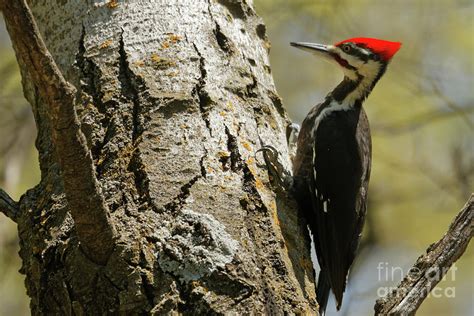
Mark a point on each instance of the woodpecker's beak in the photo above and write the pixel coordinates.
(312, 47)
(325, 51)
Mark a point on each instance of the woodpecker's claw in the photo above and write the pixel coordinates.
(278, 175)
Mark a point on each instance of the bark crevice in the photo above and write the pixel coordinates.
(179, 201)
(130, 85)
(223, 41)
(204, 99)
(92, 96)
(236, 8)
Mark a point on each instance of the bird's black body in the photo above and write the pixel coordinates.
(332, 185)
(331, 168)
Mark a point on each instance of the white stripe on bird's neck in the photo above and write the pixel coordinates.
(369, 72)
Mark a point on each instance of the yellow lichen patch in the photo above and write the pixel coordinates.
(246, 146)
(222, 113)
(139, 63)
(155, 58)
(173, 38)
(273, 208)
(230, 106)
(259, 184)
(252, 170)
(223, 154)
(250, 161)
(106, 44)
(161, 63)
(112, 4)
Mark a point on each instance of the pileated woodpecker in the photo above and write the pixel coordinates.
(331, 168)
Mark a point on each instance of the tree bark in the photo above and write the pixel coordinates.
(173, 100)
(85, 200)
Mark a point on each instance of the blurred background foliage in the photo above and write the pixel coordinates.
(422, 120)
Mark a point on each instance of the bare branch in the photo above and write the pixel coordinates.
(430, 268)
(8, 206)
(87, 206)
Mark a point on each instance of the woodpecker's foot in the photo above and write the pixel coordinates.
(279, 176)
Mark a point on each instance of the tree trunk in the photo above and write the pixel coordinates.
(174, 98)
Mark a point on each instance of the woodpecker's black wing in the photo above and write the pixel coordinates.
(338, 186)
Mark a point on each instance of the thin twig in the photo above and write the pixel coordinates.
(8, 206)
(430, 267)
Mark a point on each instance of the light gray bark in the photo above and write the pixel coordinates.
(174, 99)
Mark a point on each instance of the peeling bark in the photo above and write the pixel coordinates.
(173, 99)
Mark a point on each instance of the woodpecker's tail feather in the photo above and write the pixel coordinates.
(322, 292)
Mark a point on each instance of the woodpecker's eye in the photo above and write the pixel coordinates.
(346, 48)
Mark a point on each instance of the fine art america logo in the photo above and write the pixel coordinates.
(390, 274)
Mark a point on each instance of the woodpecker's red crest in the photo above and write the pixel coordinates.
(385, 49)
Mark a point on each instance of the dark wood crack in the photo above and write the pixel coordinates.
(177, 203)
(205, 100)
(130, 85)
